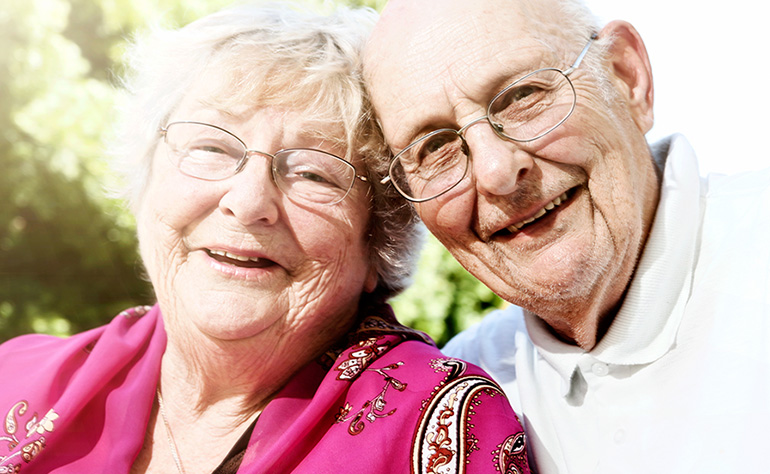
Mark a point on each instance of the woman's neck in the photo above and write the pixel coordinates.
(237, 377)
(234, 379)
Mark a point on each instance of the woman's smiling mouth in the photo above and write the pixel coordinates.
(230, 258)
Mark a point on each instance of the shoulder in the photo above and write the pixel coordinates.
(403, 406)
(490, 339)
(465, 420)
(739, 184)
(33, 360)
(737, 210)
(30, 351)
(43, 344)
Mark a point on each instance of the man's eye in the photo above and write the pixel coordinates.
(519, 97)
(434, 145)
(435, 155)
(520, 93)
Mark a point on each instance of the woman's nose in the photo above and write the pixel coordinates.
(251, 195)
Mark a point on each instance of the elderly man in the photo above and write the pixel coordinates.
(641, 337)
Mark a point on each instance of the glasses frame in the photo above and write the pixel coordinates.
(247, 152)
(498, 129)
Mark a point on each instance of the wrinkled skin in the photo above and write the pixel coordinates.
(434, 64)
(315, 258)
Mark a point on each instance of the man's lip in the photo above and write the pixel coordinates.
(539, 213)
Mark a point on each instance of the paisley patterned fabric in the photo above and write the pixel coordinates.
(385, 400)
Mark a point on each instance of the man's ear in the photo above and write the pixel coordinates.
(631, 69)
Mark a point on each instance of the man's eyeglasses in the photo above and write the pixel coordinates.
(527, 109)
(212, 153)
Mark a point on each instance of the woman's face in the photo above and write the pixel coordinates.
(236, 258)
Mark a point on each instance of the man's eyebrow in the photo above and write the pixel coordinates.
(520, 69)
(545, 57)
(418, 131)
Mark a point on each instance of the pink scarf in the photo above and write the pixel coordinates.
(385, 402)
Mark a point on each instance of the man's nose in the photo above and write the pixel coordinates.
(498, 165)
(251, 195)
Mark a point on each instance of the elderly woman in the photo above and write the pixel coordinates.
(271, 251)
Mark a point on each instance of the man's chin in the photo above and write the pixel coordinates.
(543, 285)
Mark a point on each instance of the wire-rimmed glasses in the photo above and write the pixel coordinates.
(211, 153)
(525, 110)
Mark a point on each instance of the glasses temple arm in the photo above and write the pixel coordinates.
(582, 54)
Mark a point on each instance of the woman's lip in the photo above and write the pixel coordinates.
(250, 270)
(239, 260)
(250, 261)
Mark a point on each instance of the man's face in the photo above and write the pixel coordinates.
(589, 185)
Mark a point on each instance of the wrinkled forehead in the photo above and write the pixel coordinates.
(285, 84)
(227, 93)
(428, 60)
(416, 32)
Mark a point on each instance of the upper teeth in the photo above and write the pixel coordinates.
(233, 256)
(515, 227)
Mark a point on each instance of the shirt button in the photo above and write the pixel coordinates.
(620, 436)
(600, 369)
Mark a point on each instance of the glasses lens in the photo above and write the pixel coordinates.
(532, 106)
(313, 175)
(430, 166)
(204, 151)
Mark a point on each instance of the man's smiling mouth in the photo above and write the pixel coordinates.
(239, 260)
(513, 228)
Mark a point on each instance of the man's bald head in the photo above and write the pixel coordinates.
(553, 222)
(410, 29)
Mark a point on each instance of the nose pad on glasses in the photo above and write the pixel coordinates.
(248, 158)
(251, 195)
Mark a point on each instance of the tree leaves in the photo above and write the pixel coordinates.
(68, 256)
(67, 261)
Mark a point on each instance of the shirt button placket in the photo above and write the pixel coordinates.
(600, 369)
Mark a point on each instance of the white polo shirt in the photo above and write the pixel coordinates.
(681, 381)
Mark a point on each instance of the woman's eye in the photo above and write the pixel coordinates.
(209, 147)
(207, 150)
(312, 177)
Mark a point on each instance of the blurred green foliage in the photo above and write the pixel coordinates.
(68, 257)
(444, 299)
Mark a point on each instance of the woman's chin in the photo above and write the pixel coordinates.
(220, 321)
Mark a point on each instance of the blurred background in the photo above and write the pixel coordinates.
(68, 258)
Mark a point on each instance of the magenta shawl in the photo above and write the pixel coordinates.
(384, 402)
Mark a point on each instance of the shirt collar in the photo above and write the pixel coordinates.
(646, 325)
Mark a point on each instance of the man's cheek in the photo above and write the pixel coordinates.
(444, 218)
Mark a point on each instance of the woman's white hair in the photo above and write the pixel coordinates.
(271, 54)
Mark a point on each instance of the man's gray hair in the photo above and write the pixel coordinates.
(572, 22)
